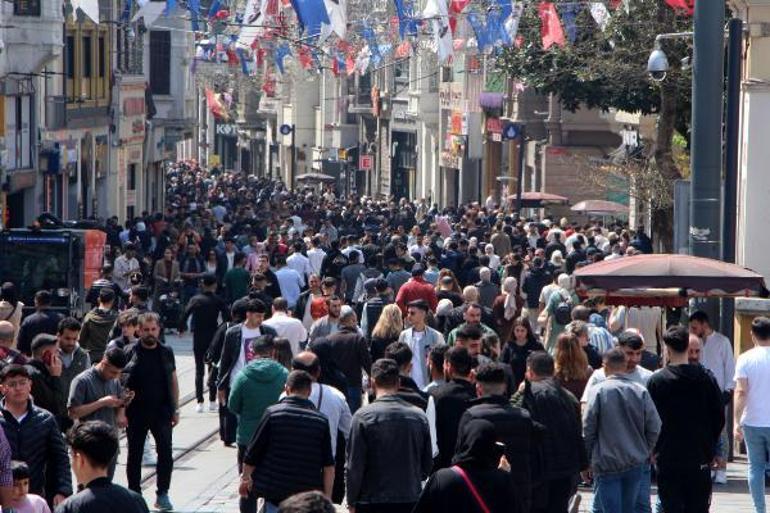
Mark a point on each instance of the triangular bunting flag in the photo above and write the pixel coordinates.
(551, 31)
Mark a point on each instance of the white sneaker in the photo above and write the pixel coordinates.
(213, 407)
(720, 477)
(199, 408)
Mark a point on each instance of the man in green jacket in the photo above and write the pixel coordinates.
(258, 385)
(97, 324)
(236, 280)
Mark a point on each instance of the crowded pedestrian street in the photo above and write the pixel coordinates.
(384, 256)
(210, 475)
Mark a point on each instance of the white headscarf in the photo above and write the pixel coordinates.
(509, 289)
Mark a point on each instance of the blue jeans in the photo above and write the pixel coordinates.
(618, 493)
(354, 398)
(270, 507)
(757, 445)
(643, 499)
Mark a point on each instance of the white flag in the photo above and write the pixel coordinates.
(338, 16)
(600, 15)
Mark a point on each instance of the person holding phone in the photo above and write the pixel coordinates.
(46, 371)
(97, 394)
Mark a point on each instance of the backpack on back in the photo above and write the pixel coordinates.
(562, 314)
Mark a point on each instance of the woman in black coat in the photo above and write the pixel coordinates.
(475, 469)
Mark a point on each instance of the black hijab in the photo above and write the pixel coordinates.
(478, 447)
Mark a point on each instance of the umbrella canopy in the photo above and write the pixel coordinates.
(315, 177)
(534, 199)
(600, 207)
(667, 275)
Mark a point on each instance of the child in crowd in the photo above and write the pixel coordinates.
(22, 501)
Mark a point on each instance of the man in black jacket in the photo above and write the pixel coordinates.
(292, 434)
(35, 439)
(94, 446)
(151, 375)
(407, 388)
(350, 353)
(690, 406)
(562, 452)
(235, 353)
(45, 369)
(514, 427)
(452, 399)
(205, 309)
(44, 320)
(390, 449)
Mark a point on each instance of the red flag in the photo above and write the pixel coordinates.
(550, 29)
(456, 7)
(335, 66)
(215, 106)
(350, 65)
(614, 4)
(403, 50)
(305, 59)
(687, 6)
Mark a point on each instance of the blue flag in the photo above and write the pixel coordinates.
(569, 13)
(311, 14)
(368, 34)
(280, 54)
(407, 25)
(126, 14)
(244, 60)
(215, 6)
(195, 11)
(479, 29)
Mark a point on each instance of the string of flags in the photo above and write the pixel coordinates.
(263, 37)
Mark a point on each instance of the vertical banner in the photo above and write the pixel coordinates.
(94, 256)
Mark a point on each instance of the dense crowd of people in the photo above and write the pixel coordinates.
(387, 355)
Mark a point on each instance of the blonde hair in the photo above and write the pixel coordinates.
(390, 324)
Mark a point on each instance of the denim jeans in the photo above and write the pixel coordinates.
(643, 499)
(618, 493)
(354, 398)
(757, 445)
(270, 507)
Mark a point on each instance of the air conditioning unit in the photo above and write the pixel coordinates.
(56, 112)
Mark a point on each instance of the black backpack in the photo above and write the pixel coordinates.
(562, 314)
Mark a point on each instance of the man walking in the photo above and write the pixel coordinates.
(152, 378)
(620, 429)
(329, 323)
(689, 402)
(451, 399)
(97, 394)
(287, 326)
(97, 325)
(514, 426)
(94, 446)
(717, 356)
(292, 434)
(331, 402)
(752, 410)
(350, 353)
(417, 289)
(255, 388)
(34, 436)
(205, 309)
(390, 449)
(421, 339)
(44, 320)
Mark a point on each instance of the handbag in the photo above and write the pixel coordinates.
(476, 495)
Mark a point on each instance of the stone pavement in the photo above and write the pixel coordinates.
(205, 478)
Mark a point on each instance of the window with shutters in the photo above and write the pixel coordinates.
(160, 58)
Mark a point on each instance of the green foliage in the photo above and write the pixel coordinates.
(604, 70)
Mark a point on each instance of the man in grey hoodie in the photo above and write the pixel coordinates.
(620, 429)
(97, 324)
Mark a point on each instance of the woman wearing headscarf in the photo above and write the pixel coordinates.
(475, 483)
(506, 308)
(494, 260)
